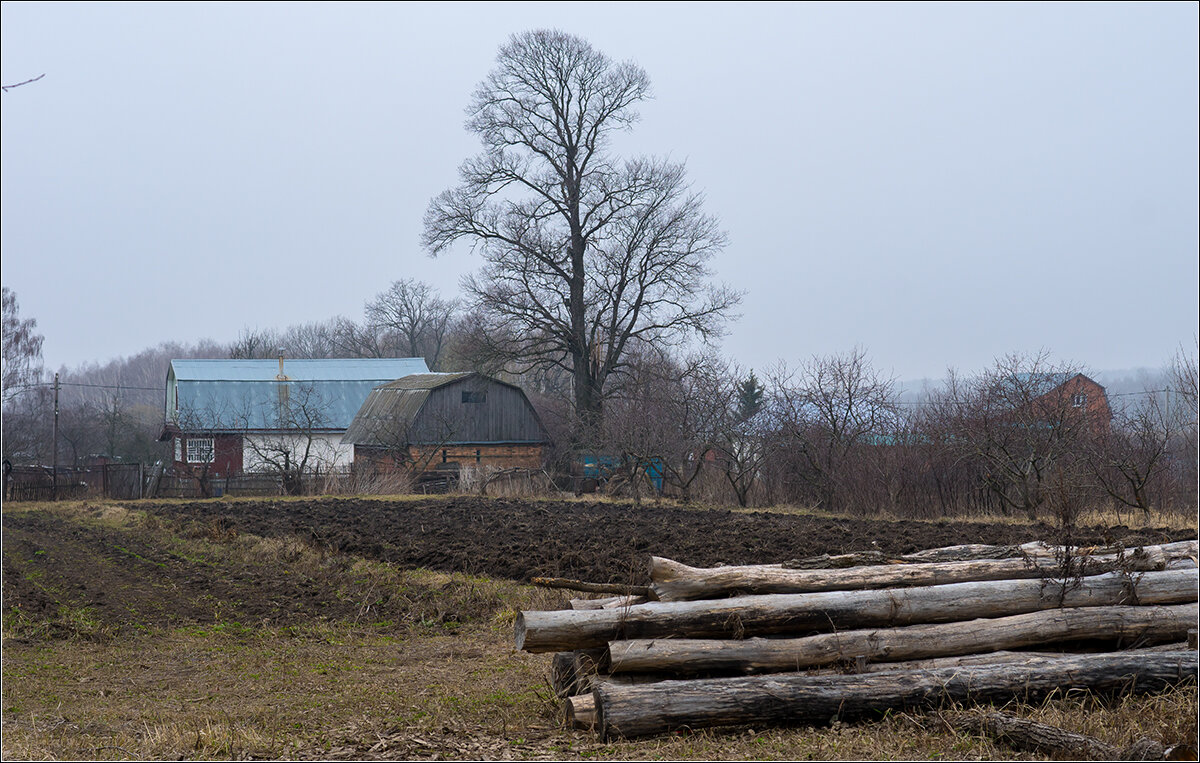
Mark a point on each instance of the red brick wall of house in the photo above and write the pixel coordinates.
(227, 455)
(1085, 395)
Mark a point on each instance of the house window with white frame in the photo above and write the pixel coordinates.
(1079, 401)
(200, 450)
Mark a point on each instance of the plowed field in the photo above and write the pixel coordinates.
(117, 574)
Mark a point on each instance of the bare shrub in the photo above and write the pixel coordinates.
(369, 482)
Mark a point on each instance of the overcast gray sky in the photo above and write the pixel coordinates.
(939, 184)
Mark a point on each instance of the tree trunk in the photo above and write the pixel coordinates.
(588, 682)
(961, 553)
(678, 582)
(805, 613)
(580, 585)
(758, 655)
(611, 602)
(1023, 734)
(989, 658)
(967, 660)
(634, 711)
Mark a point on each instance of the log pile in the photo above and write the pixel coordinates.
(855, 635)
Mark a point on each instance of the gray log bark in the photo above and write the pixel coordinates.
(964, 553)
(634, 711)
(947, 554)
(1002, 657)
(587, 683)
(586, 587)
(993, 658)
(806, 613)
(611, 602)
(673, 581)
(1144, 625)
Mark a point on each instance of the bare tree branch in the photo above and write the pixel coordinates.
(19, 84)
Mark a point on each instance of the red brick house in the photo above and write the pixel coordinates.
(1078, 395)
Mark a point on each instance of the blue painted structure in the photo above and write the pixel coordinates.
(600, 467)
(244, 395)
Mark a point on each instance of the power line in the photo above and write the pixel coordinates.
(49, 385)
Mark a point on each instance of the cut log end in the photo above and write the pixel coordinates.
(581, 712)
(519, 631)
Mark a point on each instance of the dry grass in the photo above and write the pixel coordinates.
(336, 691)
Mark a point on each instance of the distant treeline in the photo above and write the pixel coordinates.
(830, 432)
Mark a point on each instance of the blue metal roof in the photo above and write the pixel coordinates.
(299, 369)
(233, 395)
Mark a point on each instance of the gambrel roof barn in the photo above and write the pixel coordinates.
(446, 409)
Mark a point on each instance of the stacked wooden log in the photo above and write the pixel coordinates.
(855, 635)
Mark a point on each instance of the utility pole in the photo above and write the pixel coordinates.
(54, 482)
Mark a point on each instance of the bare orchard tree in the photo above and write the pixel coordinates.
(416, 320)
(698, 411)
(1025, 439)
(828, 410)
(295, 445)
(196, 452)
(586, 257)
(1130, 459)
(662, 420)
(1184, 413)
(743, 435)
(310, 340)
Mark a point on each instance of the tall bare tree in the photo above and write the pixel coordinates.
(586, 256)
(415, 317)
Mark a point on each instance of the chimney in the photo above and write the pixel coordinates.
(281, 376)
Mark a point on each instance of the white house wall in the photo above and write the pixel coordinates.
(326, 451)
